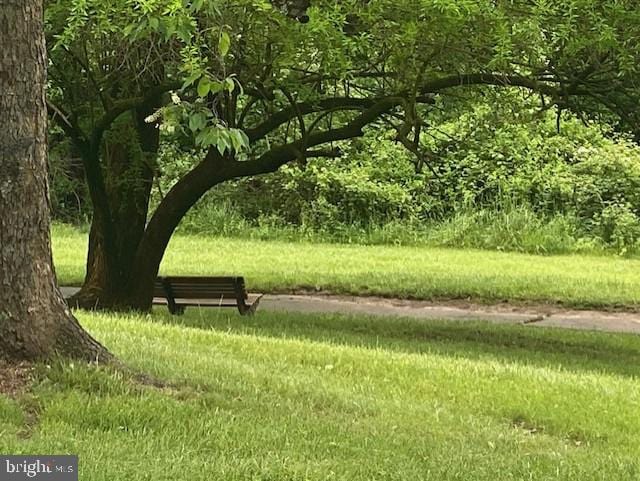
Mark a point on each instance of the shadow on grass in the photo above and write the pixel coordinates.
(572, 350)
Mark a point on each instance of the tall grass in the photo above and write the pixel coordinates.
(516, 229)
(509, 228)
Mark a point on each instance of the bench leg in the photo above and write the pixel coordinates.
(246, 310)
(177, 310)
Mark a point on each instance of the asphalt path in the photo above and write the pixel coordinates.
(526, 314)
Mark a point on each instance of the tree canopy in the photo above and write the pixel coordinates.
(249, 89)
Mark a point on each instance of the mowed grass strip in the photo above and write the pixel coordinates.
(268, 399)
(407, 272)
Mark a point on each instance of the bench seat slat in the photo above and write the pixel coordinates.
(204, 288)
(205, 303)
(188, 292)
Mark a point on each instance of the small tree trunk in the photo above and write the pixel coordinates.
(212, 171)
(35, 323)
(103, 277)
(128, 156)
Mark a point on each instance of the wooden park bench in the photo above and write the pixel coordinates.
(180, 292)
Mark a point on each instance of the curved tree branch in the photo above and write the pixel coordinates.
(544, 84)
(278, 156)
(304, 108)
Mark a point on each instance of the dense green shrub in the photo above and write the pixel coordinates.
(618, 226)
(517, 185)
(362, 188)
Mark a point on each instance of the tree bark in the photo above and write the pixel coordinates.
(128, 157)
(35, 323)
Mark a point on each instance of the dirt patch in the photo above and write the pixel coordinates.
(15, 379)
(526, 426)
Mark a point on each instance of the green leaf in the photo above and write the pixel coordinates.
(223, 142)
(128, 29)
(207, 137)
(224, 43)
(204, 87)
(197, 121)
(239, 139)
(196, 5)
(215, 86)
(191, 79)
(229, 84)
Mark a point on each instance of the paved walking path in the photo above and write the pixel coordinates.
(539, 315)
(532, 315)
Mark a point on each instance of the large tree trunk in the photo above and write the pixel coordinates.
(34, 320)
(122, 278)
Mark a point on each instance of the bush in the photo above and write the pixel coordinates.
(619, 227)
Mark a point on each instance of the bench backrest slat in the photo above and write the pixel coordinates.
(200, 287)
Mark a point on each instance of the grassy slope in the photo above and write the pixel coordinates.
(417, 272)
(284, 397)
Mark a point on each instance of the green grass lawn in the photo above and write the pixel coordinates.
(414, 272)
(294, 397)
